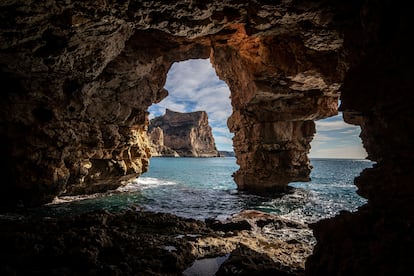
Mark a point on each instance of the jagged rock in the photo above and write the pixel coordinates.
(182, 134)
(78, 77)
(138, 242)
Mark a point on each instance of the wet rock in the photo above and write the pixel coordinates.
(245, 261)
(134, 242)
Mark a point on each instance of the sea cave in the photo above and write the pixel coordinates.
(78, 78)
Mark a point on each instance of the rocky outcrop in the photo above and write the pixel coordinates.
(224, 153)
(278, 97)
(182, 134)
(78, 78)
(156, 136)
(143, 243)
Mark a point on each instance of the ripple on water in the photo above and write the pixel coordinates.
(206, 190)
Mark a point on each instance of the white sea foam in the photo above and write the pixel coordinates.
(136, 185)
(66, 199)
(208, 191)
(142, 183)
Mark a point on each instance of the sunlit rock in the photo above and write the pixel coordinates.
(182, 134)
(78, 77)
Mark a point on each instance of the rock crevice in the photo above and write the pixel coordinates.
(79, 83)
(78, 78)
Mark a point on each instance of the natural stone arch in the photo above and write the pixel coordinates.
(133, 81)
(278, 87)
(96, 128)
(266, 119)
(56, 128)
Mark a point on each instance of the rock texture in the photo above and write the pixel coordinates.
(142, 243)
(376, 95)
(78, 77)
(182, 134)
(279, 85)
(156, 136)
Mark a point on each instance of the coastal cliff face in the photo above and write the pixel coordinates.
(78, 78)
(156, 137)
(182, 134)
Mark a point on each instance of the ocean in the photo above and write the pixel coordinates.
(203, 188)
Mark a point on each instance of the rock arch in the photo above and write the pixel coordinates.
(94, 136)
(78, 79)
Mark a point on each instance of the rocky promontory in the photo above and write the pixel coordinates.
(178, 134)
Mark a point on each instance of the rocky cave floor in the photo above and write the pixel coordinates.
(136, 242)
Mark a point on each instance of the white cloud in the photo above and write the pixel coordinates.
(193, 85)
(336, 139)
(222, 130)
(171, 104)
(352, 131)
(321, 138)
(332, 125)
(340, 151)
(186, 78)
(224, 143)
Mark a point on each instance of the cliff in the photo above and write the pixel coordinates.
(182, 134)
(226, 153)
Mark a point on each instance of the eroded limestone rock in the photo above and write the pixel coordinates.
(79, 78)
(182, 134)
(377, 95)
(137, 242)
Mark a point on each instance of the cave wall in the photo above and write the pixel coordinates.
(280, 84)
(75, 108)
(78, 77)
(377, 95)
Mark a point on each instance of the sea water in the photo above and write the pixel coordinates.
(203, 188)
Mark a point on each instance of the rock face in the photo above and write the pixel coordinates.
(78, 77)
(375, 95)
(182, 134)
(156, 136)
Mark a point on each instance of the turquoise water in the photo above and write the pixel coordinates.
(203, 188)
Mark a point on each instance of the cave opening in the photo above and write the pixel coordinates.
(334, 138)
(192, 184)
(337, 157)
(114, 54)
(193, 85)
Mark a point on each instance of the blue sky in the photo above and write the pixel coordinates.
(193, 85)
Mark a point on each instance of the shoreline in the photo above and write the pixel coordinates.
(136, 241)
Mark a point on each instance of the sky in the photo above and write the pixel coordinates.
(193, 86)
